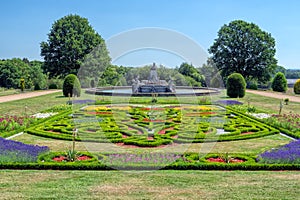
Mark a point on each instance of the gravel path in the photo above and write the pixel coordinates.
(276, 95)
(26, 95)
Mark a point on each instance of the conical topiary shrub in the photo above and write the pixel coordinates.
(279, 83)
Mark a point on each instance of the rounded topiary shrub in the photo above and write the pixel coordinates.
(71, 86)
(297, 87)
(279, 83)
(236, 85)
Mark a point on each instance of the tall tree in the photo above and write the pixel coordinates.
(244, 48)
(70, 39)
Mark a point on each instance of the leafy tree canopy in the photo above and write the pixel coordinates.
(71, 38)
(192, 74)
(12, 70)
(244, 48)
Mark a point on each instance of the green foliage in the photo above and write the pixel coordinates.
(192, 75)
(38, 78)
(111, 76)
(293, 73)
(279, 83)
(212, 75)
(52, 86)
(37, 86)
(194, 130)
(279, 68)
(129, 73)
(244, 48)
(252, 85)
(55, 83)
(12, 71)
(236, 85)
(22, 84)
(71, 86)
(93, 83)
(70, 39)
(297, 87)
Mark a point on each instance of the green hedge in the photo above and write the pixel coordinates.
(295, 135)
(190, 131)
(39, 128)
(48, 157)
(174, 166)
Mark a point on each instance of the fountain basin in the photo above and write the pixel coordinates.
(127, 91)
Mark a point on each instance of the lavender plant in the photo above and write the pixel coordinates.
(13, 151)
(229, 102)
(287, 154)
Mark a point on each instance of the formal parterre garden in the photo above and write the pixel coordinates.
(150, 128)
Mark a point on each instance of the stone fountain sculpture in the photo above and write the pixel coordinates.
(153, 84)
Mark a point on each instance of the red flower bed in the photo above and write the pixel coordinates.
(221, 160)
(80, 158)
(63, 158)
(59, 158)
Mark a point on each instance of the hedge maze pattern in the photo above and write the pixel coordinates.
(152, 126)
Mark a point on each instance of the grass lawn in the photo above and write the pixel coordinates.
(149, 185)
(32, 105)
(266, 104)
(270, 104)
(4, 91)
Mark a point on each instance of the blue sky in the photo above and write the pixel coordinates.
(26, 23)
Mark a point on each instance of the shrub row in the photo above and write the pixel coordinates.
(144, 142)
(174, 166)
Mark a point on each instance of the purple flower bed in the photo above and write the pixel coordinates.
(289, 154)
(82, 101)
(148, 159)
(229, 102)
(13, 151)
